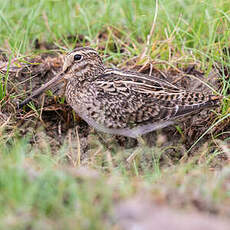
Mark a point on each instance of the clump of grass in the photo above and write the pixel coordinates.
(35, 192)
(3, 82)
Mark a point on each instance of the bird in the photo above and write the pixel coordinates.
(121, 102)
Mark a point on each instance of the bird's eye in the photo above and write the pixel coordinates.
(77, 57)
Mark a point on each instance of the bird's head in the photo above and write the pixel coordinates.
(79, 65)
(83, 64)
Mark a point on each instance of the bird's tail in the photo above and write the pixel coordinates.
(208, 102)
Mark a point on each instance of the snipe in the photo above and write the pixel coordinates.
(122, 102)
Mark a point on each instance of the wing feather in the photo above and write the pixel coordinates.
(150, 99)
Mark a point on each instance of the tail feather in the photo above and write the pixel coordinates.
(212, 101)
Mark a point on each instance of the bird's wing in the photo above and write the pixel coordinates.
(125, 80)
(156, 98)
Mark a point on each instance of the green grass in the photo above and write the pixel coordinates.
(186, 31)
(34, 191)
(40, 188)
(200, 26)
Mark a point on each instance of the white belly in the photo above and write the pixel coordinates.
(128, 132)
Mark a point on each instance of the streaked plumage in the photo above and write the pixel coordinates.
(122, 102)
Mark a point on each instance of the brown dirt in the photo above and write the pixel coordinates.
(140, 213)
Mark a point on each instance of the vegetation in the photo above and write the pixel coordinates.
(48, 181)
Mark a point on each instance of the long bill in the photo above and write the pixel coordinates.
(43, 88)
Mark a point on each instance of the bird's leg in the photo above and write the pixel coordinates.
(141, 143)
(104, 143)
